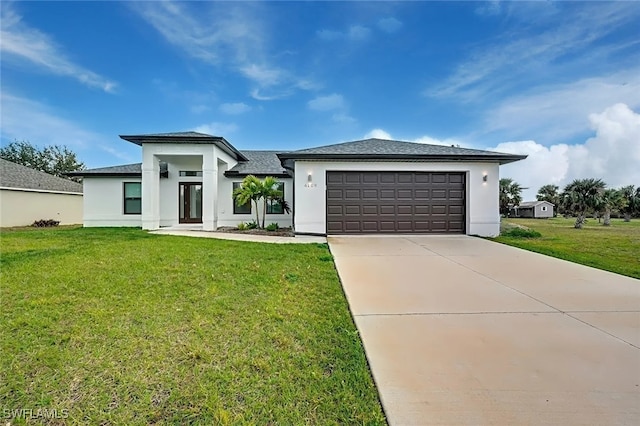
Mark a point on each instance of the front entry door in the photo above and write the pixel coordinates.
(190, 194)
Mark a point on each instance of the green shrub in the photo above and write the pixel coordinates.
(272, 227)
(521, 233)
(252, 225)
(242, 226)
(45, 223)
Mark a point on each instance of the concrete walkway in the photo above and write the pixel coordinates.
(299, 239)
(463, 331)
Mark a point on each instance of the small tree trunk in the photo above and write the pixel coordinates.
(264, 211)
(579, 221)
(257, 213)
(627, 217)
(607, 218)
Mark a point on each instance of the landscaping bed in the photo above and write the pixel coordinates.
(280, 232)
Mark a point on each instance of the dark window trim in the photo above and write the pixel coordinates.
(235, 206)
(270, 205)
(125, 198)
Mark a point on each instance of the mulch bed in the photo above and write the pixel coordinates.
(282, 232)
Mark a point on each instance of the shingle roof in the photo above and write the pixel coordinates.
(399, 150)
(261, 163)
(185, 137)
(533, 203)
(123, 170)
(14, 175)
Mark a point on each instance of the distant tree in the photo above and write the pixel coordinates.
(582, 195)
(551, 194)
(53, 159)
(510, 195)
(631, 197)
(610, 199)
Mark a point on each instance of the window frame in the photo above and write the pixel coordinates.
(249, 204)
(270, 204)
(125, 198)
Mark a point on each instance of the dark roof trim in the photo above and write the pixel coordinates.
(232, 174)
(501, 158)
(186, 137)
(105, 174)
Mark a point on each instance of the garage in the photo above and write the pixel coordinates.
(395, 202)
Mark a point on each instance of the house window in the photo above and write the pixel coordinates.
(544, 208)
(243, 209)
(132, 198)
(275, 207)
(191, 173)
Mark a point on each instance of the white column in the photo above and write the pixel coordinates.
(150, 191)
(210, 191)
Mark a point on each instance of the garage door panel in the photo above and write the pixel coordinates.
(400, 202)
(404, 194)
(404, 178)
(421, 194)
(421, 210)
(404, 210)
(387, 210)
(370, 194)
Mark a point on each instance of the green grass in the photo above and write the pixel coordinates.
(118, 326)
(614, 248)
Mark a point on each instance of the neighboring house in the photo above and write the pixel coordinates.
(27, 195)
(534, 209)
(367, 186)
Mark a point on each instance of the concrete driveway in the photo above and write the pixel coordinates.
(460, 330)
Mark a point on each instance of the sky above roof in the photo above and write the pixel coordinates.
(559, 81)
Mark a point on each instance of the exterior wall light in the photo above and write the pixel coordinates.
(485, 177)
(309, 177)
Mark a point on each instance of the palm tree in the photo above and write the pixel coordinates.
(582, 195)
(270, 193)
(631, 199)
(610, 199)
(551, 194)
(251, 189)
(510, 195)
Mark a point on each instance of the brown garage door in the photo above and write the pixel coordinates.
(395, 202)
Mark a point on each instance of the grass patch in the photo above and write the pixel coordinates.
(613, 248)
(118, 326)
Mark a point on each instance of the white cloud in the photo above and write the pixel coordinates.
(382, 134)
(612, 154)
(327, 103)
(263, 75)
(216, 128)
(389, 25)
(358, 33)
(378, 134)
(343, 118)
(25, 119)
(558, 112)
(23, 44)
(355, 33)
(224, 34)
(570, 40)
(235, 108)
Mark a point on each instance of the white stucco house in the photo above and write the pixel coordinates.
(366, 186)
(27, 195)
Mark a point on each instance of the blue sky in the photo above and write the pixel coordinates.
(559, 81)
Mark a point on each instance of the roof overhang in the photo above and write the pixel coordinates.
(219, 141)
(498, 158)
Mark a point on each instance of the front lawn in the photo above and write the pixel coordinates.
(118, 326)
(614, 248)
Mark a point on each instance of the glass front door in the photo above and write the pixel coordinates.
(190, 202)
